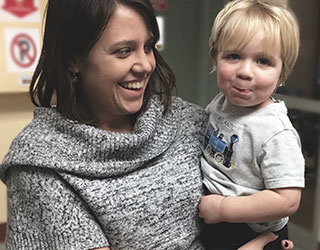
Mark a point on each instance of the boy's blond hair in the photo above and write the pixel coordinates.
(240, 20)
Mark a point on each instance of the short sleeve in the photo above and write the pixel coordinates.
(45, 213)
(282, 161)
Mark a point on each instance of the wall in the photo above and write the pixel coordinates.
(20, 32)
(304, 76)
(15, 113)
(187, 30)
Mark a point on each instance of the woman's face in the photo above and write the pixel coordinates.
(116, 72)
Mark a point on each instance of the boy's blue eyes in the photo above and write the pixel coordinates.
(233, 56)
(262, 61)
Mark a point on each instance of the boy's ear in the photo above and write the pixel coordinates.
(214, 59)
(213, 55)
(281, 79)
(214, 63)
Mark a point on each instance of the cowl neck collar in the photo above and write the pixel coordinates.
(50, 141)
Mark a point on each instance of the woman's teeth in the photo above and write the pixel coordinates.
(133, 85)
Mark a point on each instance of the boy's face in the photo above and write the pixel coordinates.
(248, 76)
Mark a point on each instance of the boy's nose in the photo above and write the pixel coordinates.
(245, 70)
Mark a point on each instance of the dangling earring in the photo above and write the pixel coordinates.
(74, 78)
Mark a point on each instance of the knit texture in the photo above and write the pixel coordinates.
(73, 186)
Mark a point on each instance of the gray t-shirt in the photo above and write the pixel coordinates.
(247, 150)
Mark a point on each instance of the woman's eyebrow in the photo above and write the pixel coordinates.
(122, 43)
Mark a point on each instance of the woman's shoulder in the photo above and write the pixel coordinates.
(182, 115)
(180, 105)
(34, 137)
(180, 109)
(189, 115)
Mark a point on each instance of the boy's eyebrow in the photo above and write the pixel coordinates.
(267, 55)
(227, 51)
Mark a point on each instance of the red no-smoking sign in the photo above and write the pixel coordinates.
(23, 50)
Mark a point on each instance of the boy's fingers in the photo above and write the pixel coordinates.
(287, 244)
(268, 237)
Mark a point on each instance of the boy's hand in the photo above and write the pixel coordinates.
(259, 242)
(210, 208)
(263, 239)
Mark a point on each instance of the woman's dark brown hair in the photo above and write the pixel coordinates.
(72, 28)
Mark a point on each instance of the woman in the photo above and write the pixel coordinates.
(115, 164)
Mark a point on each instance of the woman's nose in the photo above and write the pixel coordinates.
(245, 70)
(144, 63)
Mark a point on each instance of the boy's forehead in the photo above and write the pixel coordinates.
(239, 27)
(240, 37)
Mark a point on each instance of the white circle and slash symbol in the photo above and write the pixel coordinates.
(23, 50)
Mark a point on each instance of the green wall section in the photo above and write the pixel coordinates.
(186, 34)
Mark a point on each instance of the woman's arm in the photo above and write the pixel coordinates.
(267, 205)
(102, 248)
(45, 213)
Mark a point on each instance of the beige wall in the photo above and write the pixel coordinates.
(3, 203)
(15, 106)
(15, 113)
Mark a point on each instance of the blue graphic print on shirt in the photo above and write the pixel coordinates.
(217, 148)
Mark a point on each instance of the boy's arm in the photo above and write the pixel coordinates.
(266, 205)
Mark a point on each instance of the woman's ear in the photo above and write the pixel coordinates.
(74, 66)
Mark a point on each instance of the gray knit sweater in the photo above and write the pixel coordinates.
(73, 186)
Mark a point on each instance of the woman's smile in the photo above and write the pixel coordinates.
(132, 85)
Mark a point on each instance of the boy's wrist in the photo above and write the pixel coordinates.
(230, 210)
(224, 208)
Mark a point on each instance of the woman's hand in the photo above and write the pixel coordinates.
(263, 239)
